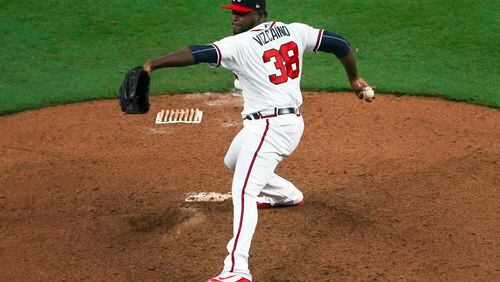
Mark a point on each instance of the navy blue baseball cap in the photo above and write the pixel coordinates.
(246, 6)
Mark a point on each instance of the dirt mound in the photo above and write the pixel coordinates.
(404, 188)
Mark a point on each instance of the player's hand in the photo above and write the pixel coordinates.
(358, 85)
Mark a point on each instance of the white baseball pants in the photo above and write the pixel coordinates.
(253, 156)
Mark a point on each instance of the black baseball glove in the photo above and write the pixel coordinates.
(134, 92)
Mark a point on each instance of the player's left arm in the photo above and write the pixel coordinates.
(180, 58)
(333, 43)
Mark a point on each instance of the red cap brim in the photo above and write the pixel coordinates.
(238, 8)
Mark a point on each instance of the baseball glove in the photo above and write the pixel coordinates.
(134, 92)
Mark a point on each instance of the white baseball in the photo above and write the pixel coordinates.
(237, 84)
(368, 93)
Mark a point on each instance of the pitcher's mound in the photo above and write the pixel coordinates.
(403, 188)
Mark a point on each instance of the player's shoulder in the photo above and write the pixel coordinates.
(230, 40)
(272, 24)
(299, 26)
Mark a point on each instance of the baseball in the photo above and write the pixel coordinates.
(237, 84)
(368, 93)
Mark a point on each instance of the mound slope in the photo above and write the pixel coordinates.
(402, 188)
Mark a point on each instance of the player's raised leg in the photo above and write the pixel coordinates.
(279, 192)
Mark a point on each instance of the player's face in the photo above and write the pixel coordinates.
(242, 22)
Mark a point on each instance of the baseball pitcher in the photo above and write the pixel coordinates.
(266, 56)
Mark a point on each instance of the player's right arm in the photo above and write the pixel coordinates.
(318, 40)
(350, 66)
(185, 57)
(333, 43)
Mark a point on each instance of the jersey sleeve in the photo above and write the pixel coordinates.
(227, 53)
(310, 36)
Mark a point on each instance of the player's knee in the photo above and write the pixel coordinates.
(249, 193)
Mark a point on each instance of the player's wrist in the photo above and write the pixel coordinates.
(356, 84)
(354, 78)
(148, 67)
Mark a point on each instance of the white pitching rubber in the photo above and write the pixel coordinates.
(179, 116)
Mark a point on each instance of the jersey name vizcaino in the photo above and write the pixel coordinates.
(271, 34)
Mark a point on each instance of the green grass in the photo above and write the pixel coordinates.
(56, 52)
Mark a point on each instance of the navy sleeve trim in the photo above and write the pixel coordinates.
(219, 55)
(318, 41)
(335, 44)
(204, 54)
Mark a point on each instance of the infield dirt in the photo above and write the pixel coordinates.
(404, 188)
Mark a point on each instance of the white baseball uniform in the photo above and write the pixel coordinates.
(268, 62)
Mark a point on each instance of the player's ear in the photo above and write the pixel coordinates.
(263, 14)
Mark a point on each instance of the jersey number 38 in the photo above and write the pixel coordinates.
(286, 61)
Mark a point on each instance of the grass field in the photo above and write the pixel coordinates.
(66, 51)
